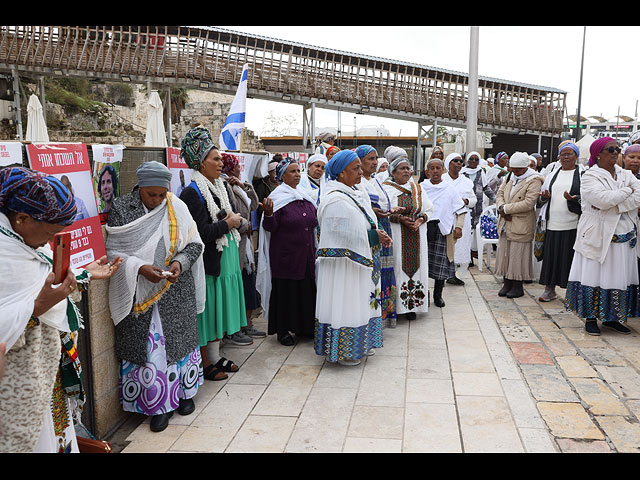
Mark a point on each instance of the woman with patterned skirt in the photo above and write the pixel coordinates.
(380, 204)
(348, 314)
(155, 313)
(603, 281)
(411, 258)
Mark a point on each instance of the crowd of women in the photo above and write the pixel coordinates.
(334, 254)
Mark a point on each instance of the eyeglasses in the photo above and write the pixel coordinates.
(613, 149)
(458, 160)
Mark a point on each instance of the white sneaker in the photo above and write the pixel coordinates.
(349, 363)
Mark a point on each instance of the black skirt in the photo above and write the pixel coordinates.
(558, 255)
(292, 306)
(251, 296)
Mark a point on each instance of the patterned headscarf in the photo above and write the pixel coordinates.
(229, 162)
(43, 197)
(499, 156)
(338, 163)
(195, 147)
(331, 149)
(596, 147)
(281, 168)
(634, 137)
(364, 150)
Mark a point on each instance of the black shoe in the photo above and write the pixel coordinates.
(591, 327)
(287, 340)
(506, 287)
(438, 285)
(410, 316)
(455, 281)
(618, 327)
(186, 406)
(160, 422)
(516, 289)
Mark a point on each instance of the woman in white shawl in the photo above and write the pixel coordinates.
(348, 314)
(156, 297)
(39, 320)
(450, 211)
(286, 257)
(411, 258)
(474, 172)
(311, 177)
(453, 164)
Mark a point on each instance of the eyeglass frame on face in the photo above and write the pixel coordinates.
(612, 149)
(457, 160)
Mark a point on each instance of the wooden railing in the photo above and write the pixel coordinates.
(205, 57)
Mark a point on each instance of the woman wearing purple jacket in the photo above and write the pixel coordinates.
(286, 257)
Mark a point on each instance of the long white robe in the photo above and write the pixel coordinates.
(412, 286)
(348, 314)
(464, 187)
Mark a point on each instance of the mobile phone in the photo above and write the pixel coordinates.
(61, 253)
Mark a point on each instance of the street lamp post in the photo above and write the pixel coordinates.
(578, 132)
(472, 104)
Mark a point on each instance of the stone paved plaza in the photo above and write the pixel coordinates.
(483, 374)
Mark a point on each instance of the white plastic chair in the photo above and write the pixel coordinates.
(481, 241)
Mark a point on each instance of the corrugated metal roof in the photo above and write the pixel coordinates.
(379, 59)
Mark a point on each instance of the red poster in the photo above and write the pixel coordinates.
(69, 162)
(180, 171)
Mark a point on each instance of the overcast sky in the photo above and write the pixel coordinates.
(548, 56)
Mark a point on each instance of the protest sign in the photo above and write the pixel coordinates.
(69, 162)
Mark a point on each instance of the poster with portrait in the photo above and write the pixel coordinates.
(69, 162)
(180, 171)
(10, 154)
(106, 176)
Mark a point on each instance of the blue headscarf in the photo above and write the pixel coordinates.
(44, 197)
(282, 167)
(570, 145)
(364, 150)
(338, 163)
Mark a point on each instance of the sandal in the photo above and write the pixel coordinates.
(226, 365)
(214, 373)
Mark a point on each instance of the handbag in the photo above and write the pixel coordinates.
(538, 242)
(89, 445)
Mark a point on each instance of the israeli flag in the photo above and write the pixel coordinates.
(230, 134)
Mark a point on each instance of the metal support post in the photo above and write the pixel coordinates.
(472, 105)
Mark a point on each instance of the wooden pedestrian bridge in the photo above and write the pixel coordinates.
(212, 58)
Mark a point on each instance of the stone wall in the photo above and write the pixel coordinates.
(126, 125)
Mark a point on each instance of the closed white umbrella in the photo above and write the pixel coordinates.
(36, 126)
(155, 136)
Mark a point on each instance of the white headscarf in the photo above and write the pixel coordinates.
(281, 196)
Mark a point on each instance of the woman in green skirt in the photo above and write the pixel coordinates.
(214, 213)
